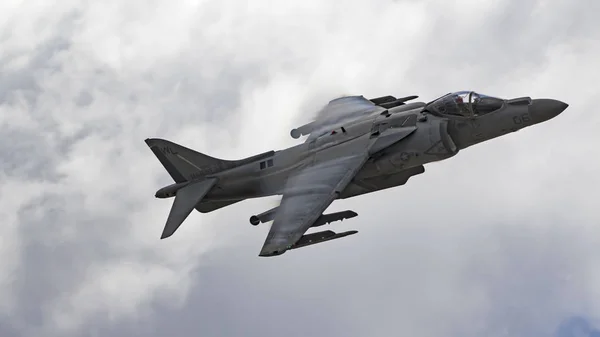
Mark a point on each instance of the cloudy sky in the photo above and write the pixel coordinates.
(501, 240)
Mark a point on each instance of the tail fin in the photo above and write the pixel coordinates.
(185, 164)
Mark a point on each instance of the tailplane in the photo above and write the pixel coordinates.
(189, 170)
(185, 201)
(193, 173)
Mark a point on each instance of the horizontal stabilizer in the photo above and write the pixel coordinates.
(186, 199)
(313, 238)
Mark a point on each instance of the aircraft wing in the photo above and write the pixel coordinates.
(310, 191)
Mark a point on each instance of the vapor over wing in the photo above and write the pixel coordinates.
(338, 111)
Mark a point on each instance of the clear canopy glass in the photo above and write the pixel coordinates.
(465, 104)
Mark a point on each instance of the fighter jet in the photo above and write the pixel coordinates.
(354, 146)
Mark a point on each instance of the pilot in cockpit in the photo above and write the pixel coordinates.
(465, 104)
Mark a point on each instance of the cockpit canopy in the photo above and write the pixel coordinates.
(465, 104)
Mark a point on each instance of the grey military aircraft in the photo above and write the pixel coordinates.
(354, 146)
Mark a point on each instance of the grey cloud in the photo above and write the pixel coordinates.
(577, 326)
(514, 290)
(472, 247)
(17, 149)
(506, 40)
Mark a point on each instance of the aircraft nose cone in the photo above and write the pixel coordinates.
(544, 109)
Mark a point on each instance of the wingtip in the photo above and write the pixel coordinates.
(270, 253)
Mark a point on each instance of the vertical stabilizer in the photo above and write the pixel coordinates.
(184, 164)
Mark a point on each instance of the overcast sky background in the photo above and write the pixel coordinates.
(501, 240)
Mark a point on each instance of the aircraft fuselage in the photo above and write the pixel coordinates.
(437, 137)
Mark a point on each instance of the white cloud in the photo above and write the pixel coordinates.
(84, 83)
